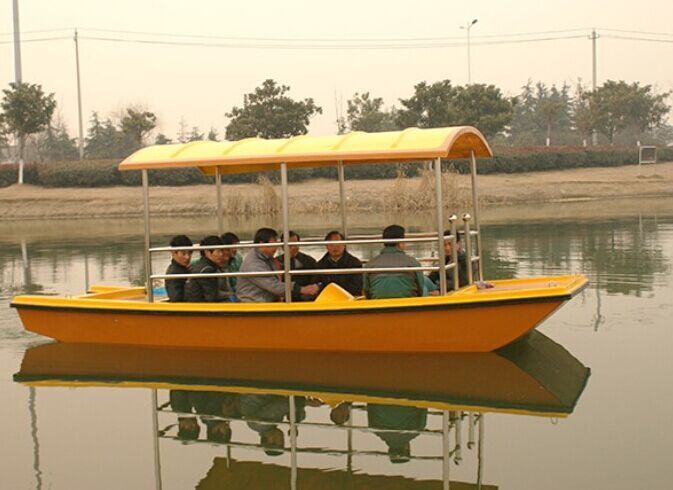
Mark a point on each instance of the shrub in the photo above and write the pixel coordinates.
(9, 173)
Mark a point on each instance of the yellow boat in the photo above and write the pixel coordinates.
(469, 319)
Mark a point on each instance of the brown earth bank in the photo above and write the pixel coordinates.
(321, 196)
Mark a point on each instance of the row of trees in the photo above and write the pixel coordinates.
(620, 112)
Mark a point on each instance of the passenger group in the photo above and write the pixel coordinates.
(306, 286)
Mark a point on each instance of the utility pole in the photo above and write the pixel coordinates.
(593, 37)
(79, 100)
(18, 77)
(467, 28)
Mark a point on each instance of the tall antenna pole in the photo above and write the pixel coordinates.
(79, 100)
(594, 36)
(467, 28)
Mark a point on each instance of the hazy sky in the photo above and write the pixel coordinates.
(202, 83)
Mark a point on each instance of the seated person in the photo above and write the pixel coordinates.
(235, 257)
(203, 403)
(337, 257)
(205, 289)
(396, 418)
(266, 288)
(298, 261)
(264, 410)
(380, 285)
(462, 264)
(180, 264)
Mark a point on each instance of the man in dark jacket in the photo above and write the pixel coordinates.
(462, 264)
(180, 260)
(337, 257)
(206, 289)
(299, 261)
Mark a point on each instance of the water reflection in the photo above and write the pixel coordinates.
(323, 420)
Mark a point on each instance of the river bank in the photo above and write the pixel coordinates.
(321, 196)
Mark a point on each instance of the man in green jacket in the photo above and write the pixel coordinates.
(380, 285)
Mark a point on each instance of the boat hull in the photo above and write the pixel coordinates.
(467, 321)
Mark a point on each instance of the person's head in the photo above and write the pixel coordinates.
(182, 257)
(188, 428)
(273, 441)
(340, 414)
(217, 255)
(399, 452)
(336, 250)
(219, 431)
(394, 232)
(230, 238)
(447, 243)
(294, 237)
(267, 235)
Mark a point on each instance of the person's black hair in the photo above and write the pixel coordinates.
(271, 448)
(393, 232)
(230, 238)
(209, 241)
(448, 233)
(264, 235)
(292, 233)
(215, 432)
(189, 434)
(181, 241)
(332, 233)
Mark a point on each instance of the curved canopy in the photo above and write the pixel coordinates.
(258, 155)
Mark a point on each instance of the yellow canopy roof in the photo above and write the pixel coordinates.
(258, 155)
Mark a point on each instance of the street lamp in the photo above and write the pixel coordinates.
(467, 28)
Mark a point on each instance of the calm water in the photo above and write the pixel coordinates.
(619, 435)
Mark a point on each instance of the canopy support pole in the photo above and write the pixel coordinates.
(147, 255)
(293, 439)
(440, 227)
(218, 189)
(467, 239)
(475, 211)
(446, 454)
(286, 232)
(342, 194)
(480, 451)
(454, 252)
(155, 436)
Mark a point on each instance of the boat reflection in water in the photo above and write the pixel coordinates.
(275, 413)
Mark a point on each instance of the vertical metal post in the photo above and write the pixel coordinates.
(147, 254)
(342, 194)
(79, 100)
(349, 442)
(454, 252)
(459, 437)
(33, 433)
(286, 232)
(17, 44)
(593, 37)
(155, 442)
(446, 454)
(86, 273)
(470, 430)
(440, 227)
(475, 210)
(468, 246)
(293, 440)
(218, 190)
(480, 451)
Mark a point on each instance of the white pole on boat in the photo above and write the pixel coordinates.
(293, 439)
(349, 442)
(480, 451)
(475, 211)
(470, 430)
(468, 246)
(155, 438)
(286, 232)
(459, 438)
(454, 252)
(440, 226)
(446, 454)
(86, 272)
(218, 190)
(146, 219)
(342, 194)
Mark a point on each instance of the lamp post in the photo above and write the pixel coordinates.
(467, 28)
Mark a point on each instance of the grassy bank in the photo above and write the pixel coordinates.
(321, 197)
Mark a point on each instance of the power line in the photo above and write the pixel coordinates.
(40, 31)
(633, 38)
(38, 40)
(639, 32)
